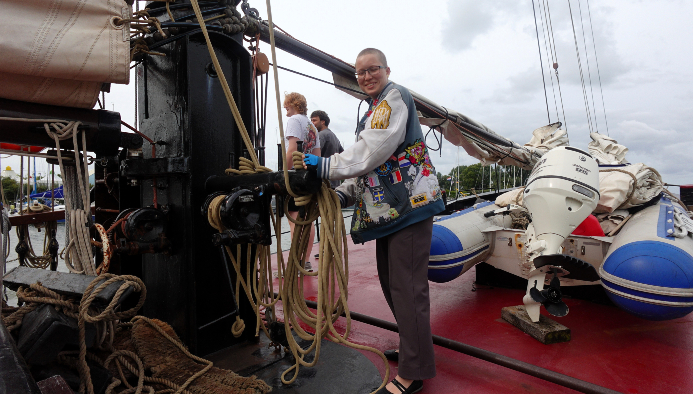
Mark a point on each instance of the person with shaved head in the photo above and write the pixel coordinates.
(392, 184)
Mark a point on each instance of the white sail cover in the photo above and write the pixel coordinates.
(514, 196)
(606, 150)
(61, 52)
(626, 187)
(622, 186)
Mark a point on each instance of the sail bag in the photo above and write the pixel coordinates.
(61, 52)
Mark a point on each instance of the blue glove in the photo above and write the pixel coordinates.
(311, 160)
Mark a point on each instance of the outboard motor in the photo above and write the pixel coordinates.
(561, 191)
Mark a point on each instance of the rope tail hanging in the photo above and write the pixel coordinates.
(78, 254)
(333, 262)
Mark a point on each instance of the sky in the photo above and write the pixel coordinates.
(481, 59)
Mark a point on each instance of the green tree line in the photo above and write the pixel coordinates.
(466, 178)
(10, 189)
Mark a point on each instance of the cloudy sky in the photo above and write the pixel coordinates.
(481, 59)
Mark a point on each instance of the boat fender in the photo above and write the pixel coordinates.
(589, 227)
(650, 279)
(445, 242)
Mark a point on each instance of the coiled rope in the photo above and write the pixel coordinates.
(106, 323)
(78, 255)
(33, 260)
(5, 227)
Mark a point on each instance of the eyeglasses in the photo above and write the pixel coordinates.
(375, 70)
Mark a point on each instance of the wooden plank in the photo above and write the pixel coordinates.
(69, 284)
(546, 331)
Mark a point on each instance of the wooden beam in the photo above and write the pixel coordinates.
(545, 331)
(42, 217)
(69, 284)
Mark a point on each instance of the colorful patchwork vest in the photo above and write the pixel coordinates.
(402, 191)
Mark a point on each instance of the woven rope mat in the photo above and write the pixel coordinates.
(164, 360)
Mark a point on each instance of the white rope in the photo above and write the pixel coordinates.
(4, 248)
(78, 255)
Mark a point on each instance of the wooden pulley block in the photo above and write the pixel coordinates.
(261, 63)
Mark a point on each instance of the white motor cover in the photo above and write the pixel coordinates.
(561, 191)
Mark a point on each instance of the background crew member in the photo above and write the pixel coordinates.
(299, 128)
(329, 143)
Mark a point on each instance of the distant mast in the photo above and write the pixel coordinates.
(34, 175)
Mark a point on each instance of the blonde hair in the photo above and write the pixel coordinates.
(298, 101)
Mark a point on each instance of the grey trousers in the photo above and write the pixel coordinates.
(402, 260)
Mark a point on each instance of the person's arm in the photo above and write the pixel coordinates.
(290, 149)
(316, 151)
(293, 134)
(384, 132)
(346, 192)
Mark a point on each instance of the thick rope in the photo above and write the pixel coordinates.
(276, 91)
(332, 276)
(87, 315)
(78, 257)
(32, 259)
(37, 295)
(328, 206)
(105, 245)
(4, 249)
(33, 297)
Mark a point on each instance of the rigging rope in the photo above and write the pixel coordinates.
(78, 254)
(582, 78)
(33, 260)
(554, 56)
(320, 80)
(5, 227)
(589, 72)
(541, 62)
(594, 44)
(78, 258)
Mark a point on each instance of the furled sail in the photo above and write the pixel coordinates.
(62, 53)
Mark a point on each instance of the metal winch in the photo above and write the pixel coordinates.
(245, 209)
(245, 215)
(142, 231)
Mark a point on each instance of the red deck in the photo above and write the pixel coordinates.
(609, 347)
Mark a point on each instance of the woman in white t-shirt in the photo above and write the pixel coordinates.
(299, 128)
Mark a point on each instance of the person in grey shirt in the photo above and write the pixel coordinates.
(329, 143)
